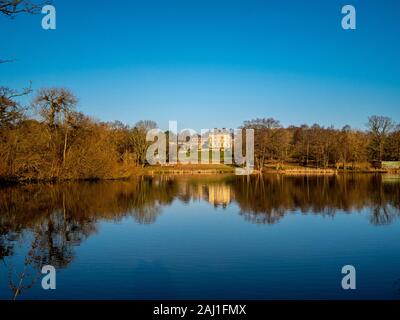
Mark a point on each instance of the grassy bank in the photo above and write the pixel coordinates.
(189, 169)
(225, 169)
(290, 168)
(293, 169)
(126, 173)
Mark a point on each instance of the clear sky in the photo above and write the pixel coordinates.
(213, 63)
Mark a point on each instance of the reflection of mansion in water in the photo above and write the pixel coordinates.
(215, 194)
(219, 195)
(220, 139)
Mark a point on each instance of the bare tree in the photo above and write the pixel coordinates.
(379, 128)
(138, 140)
(270, 140)
(12, 8)
(146, 125)
(392, 146)
(56, 106)
(10, 110)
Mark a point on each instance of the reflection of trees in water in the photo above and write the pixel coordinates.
(266, 199)
(385, 203)
(66, 214)
(383, 215)
(149, 196)
(61, 216)
(261, 200)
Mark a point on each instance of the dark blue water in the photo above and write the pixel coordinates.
(203, 238)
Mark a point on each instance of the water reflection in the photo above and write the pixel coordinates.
(53, 219)
(268, 199)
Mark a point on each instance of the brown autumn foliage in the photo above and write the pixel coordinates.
(63, 143)
(324, 147)
(59, 143)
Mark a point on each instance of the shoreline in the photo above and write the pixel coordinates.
(192, 170)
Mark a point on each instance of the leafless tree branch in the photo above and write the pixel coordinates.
(12, 8)
(6, 61)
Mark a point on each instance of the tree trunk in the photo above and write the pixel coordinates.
(65, 146)
(308, 150)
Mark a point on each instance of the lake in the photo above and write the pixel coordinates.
(204, 237)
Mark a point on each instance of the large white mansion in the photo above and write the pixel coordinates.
(216, 139)
(220, 139)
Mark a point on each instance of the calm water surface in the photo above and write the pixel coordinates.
(220, 237)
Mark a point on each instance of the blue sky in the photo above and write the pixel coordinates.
(213, 63)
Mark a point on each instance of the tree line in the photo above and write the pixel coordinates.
(51, 140)
(325, 147)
